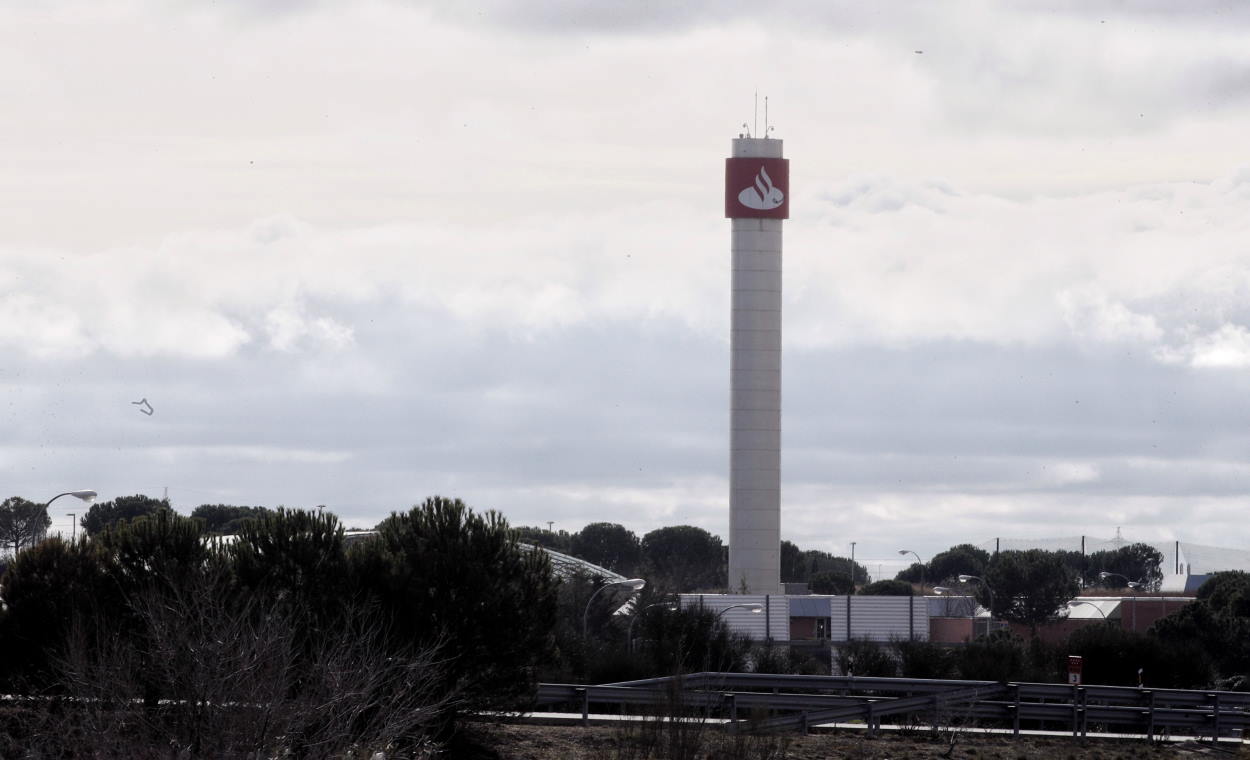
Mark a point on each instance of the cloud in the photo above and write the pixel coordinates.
(1092, 315)
(870, 261)
(1072, 69)
(1229, 346)
(884, 260)
(288, 327)
(354, 270)
(265, 455)
(627, 422)
(45, 329)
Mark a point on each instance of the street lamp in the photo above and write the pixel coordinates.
(629, 635)
(904, 553)
(753, 607)
(1104, 575)
(1075, 602)
(86, 495)
(634, 584)
(978, 579)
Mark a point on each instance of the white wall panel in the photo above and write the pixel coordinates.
(775, 621)
(877, 618)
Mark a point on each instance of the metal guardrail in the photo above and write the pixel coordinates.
(799, 702)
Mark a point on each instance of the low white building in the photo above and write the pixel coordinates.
(784, 618)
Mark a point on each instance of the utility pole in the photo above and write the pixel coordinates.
(852, 566)
(73, 521)
(549, 524)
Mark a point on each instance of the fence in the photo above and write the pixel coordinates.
(800, 702)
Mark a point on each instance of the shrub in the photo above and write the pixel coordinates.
(458, 580)
(999, 656)
(1227, 592)
(830, 582)
(689, 641)
(239, 681)
(924, 659)
(277, 644)
(121, 510)
(888, 588)
(862, 657)
(296, 558)
(1113, 656)
(1220, 639)
(43, 588)
(791, 660)
(1029, 587)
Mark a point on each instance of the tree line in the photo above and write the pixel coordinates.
(1204, 644)
(24, 523)
(680, 558)
(1032, 587)
(688, 559)
(150, 632)
(1139, 564)
(1029, 587)
(154, 630)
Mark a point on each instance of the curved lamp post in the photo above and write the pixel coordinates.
(629, 636)
(1076, 602)
(904, 553)
(753, 607)
(1104, 575)
(990, 591)
(634, 584)
(86, 495)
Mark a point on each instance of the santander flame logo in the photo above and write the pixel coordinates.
(762, 196)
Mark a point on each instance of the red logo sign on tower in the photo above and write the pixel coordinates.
(757, 188)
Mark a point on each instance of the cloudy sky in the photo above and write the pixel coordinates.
(356, 254)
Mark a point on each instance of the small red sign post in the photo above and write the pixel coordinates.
(1074, 669)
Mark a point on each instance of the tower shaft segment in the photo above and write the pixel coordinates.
(756, 200)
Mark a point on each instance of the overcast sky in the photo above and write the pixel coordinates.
(356, 254)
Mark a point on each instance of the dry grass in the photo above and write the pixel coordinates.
(535, 742)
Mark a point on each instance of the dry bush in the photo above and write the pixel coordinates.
(676, 730)
(669, 729)
(195, 673)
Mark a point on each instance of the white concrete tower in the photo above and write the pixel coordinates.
(757, 199)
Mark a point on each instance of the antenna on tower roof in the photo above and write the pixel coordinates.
(756, 129)
(766, 127)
